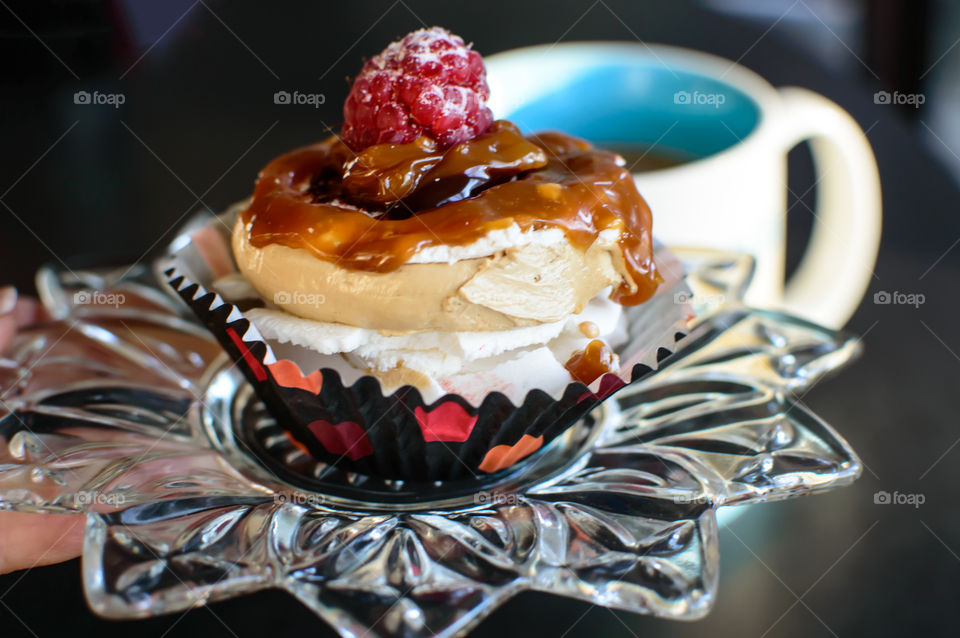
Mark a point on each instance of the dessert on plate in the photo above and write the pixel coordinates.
(444, 255)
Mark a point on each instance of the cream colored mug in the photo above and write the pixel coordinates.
(727, 132)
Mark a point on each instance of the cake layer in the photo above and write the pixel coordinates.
(468, 363)
(534, 282)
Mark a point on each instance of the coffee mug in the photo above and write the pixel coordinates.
(720, 134)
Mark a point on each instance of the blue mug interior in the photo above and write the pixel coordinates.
(644, 105)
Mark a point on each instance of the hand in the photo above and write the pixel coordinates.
(31, 540)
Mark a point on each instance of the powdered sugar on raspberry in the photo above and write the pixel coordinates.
(429, 83)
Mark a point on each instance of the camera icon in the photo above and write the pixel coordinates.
(281, 97)
(81, 97)
(81, 298)
(682, 297)
(882, 498)
(681, 97)
(882, 97)
(482, 498)
(882, 297)
(281, 298)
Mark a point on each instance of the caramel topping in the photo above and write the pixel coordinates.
(408, 177)
(592, 362)
(389, 172)
(589, 329)
(375, 210)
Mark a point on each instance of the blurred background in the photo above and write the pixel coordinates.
(193, 119)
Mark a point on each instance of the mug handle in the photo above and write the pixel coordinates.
(837, 266)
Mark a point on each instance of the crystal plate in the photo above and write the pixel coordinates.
(125, 408)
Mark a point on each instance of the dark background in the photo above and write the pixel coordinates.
(199, 120)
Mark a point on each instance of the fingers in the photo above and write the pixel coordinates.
(29, 540)
(32, 540)
(8, 299)
(16, 312)
(8, 319)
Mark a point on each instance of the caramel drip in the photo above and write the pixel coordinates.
(319, 198)
(416, 175)
(592, 362)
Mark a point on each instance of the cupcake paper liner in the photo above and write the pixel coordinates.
(400, 436)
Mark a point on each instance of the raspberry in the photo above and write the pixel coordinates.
(429, 83)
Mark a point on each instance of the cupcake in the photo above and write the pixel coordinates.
(433, 294)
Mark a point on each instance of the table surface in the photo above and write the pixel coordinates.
(199, 120)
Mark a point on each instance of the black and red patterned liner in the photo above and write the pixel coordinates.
(357, 428)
